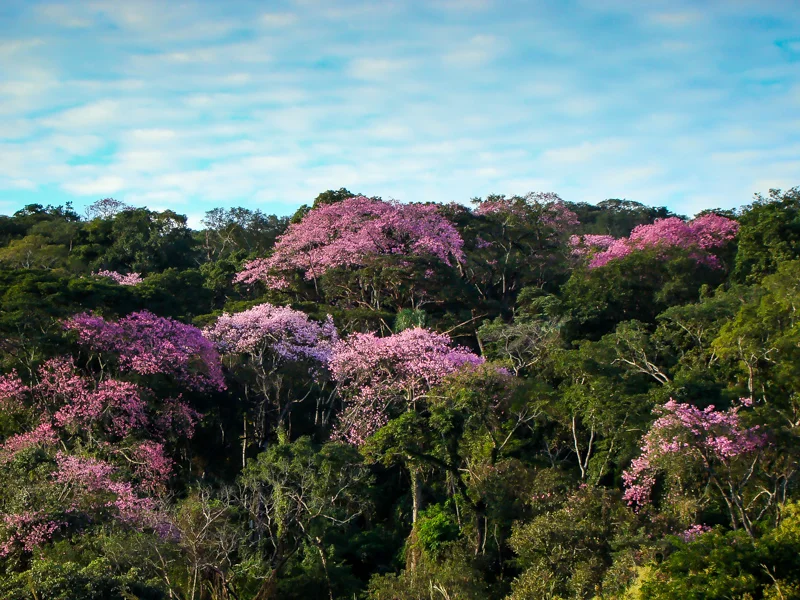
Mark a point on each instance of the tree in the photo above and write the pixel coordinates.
(106, 208)
(376, 375)
(295, 495)
(701, 235)
(270, 339)
(146, 344)
(706, 450)
(517, 241)
(770, 234)
(228, 231)
(347, 233)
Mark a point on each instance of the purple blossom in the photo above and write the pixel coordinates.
(694, 532)
(707, 436)
(27, 530)
(287, 333)
(148, 345)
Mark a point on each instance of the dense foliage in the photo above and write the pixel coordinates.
(530, 399)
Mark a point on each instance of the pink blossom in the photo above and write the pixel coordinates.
(86, 477)
(704, 233)
(347, 233)
(583, 244)
(178, 418)
(129, 279)
(11, 389)
(706, 436)
(152, 465)
(42, 435)
(27, 530)
(694, 532)
(545, 207)
(374, 373)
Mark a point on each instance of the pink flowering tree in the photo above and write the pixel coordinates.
(271, 343)
(146, 344)
(352, 234)
(94, 446)
(700, 237)
(706, 454)
(377, 375)
(384, 377)
(129, 279)
(93, 450)
(517, 241)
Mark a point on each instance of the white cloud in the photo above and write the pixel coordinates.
(89, 115)
(476, 51)
(62, 14)
(376, 68)
(21, 184)
(12, 48)
(676, 19)
(278, 19)
(107, 184)
(586, 151)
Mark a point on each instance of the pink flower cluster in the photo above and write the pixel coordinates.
(177, 418)
(42, 435)
(707, 436)
(68, 401)
(349, 232)
(583, 244)
(152, 465)
(129, 279)
(287, 333)
(86, 477)
(694, 532)
(702, 235)
(12, 390)
(27, 530)
(148, 344)
(374, 372)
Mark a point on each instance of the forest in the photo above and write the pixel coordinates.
(518, 398)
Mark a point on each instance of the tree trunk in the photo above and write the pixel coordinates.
(416, 506)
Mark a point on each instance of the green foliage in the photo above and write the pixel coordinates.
(514, 469)
(57, 580)
(726, 564)
(769, 234)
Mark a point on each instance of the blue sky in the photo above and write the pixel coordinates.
(192, 105)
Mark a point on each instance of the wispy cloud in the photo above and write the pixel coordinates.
(197, 104)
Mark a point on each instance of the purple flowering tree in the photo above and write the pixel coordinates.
(379, 374)
(98, 442)
(146, 344)
(267, 340)
(100, 446)
(131, 279)
(704, 453)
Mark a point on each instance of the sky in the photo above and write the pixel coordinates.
(199, 104)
